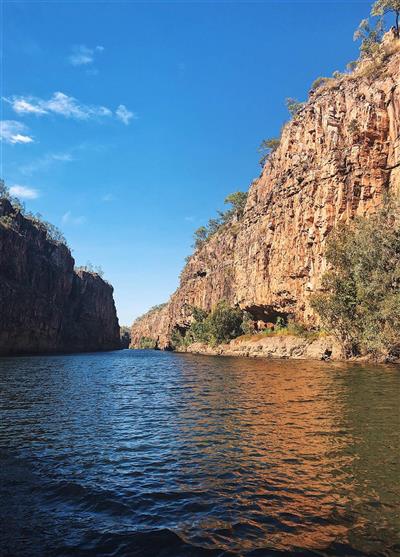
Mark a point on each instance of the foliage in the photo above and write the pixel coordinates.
(237, 200)
(125, 336)
(318, 82)
(267, 147)
(370, 37)
(200, 236)
(360, 301)
(353, 126)
(294, 106)
(351, 66)
(152, 310)
(248, 325)
(147, 343)
(53, 233)
(90, 268)
(222, 324)
(382, 7)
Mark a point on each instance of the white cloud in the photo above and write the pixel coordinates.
(24, 192)
(68, 218)
(123, 114)
(82, 55)
(45, 162)
(67, 106)
(21, 106)
(13, 132)
(60, 104)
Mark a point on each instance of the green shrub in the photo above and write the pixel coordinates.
(294, 106)
(318, 82)
(360, 301)
(370, 37)
(248, 325)
(237, 200)
(146, 343)
(222, 324)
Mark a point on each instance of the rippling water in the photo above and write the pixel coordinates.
(143, 453)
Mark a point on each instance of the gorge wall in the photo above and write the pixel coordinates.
(337, 158)
(46, 306)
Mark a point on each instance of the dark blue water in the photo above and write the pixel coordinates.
(139, 453)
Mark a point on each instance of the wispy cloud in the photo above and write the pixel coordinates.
(59, 103)
(108, 197)
(68, 218)
(67, 106)
(83, 55)
(13, 132)
(45, 162)
(24, 192)
(124, 115)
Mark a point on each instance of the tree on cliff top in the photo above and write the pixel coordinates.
(238, 202)
(370, 36)
(267, 147)
(382, 7)
(360, 301)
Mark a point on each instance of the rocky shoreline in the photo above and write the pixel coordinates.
(274, 347)
(337, 159)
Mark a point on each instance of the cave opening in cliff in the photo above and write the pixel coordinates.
(267, 316)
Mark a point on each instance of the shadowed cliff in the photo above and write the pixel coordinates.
(47, 306)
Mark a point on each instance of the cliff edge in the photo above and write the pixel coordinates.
(47, 306)
(338, 158)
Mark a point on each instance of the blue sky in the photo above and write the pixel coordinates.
(128, 123)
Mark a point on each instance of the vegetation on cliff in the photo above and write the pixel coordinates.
(237, 200)
(360, 302)
(222, 324)
(53, 233)
(337, 158)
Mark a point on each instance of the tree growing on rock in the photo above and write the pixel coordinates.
(370, 37)
(267, 147)
(383, 7)
(238, 201)
(360, 300)
(294, 106)
(200, 236)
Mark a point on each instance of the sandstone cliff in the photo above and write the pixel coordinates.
(337, 158)
(45, 305)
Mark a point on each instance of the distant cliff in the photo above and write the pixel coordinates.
(45, 305)
(337, 158)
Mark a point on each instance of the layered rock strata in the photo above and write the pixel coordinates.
(339, 157)
(46, 306)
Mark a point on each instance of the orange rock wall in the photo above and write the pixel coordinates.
(337, 158)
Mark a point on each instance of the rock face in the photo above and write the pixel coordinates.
(338, 158)
(45, 305)
(274, 347)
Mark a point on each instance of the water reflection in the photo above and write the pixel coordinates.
(145, 453)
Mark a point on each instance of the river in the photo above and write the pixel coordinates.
(146, 453)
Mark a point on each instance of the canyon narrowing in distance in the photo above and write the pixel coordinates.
(338, 157)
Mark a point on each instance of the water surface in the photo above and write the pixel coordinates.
(142, 453)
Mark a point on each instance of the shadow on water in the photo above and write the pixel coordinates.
(157, 454)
